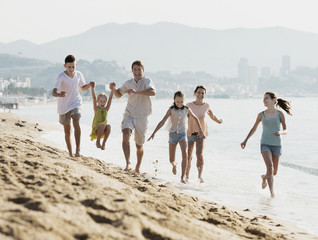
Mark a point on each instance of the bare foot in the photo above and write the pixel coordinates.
(201, 180)
(77, 154)
(128, 168)
(71, 154)
(103, 147)
(264, 182)
(98, 144)
(174, 168)
(183, 181)
(137, 170)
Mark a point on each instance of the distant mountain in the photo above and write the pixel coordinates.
(8, 61)
(176, 48)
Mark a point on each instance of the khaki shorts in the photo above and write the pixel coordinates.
(137, 124)
(66, 118)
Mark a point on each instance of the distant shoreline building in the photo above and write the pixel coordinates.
(265, 72)
(15, 82)
(285, 69)
(248, 75)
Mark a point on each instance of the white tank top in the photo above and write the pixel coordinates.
(178, 119)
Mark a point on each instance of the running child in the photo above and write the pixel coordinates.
(69, 103)
(178, 114)
(271, 147)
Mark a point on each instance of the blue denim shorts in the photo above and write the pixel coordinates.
(174, 137)
(275, 150)
(194, 137)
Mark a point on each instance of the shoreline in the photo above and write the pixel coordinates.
(48, 195)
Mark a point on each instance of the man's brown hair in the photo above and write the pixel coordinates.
(138, 63)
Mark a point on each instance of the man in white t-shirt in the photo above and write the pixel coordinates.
(69, 104)
(138, 109)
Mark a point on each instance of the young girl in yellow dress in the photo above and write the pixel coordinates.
(100, 128)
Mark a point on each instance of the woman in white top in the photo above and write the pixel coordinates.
(178, 114)
(200, 109)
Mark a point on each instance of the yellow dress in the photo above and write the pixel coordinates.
(99, 118)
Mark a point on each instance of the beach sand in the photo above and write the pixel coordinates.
(45, 194)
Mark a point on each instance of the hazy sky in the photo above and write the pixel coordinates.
(46, 20)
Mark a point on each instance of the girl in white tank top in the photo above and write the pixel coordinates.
(178, 113)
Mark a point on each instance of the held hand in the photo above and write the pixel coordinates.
(62, 94)
(131, 91)
(220, 121)
(92, 84)
(243, 145)
(112, 85)
(277, 134)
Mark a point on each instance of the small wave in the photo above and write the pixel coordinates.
(312, 171)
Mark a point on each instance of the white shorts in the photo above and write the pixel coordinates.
(138, 124)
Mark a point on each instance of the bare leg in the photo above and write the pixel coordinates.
(67, 133)
(200, 162)
(275, 163)
(183, 146)
(77, 133)
(140, 154)
(264, 181)
(126, 147)
(190, 151)
(172, 157)
(100, 133)
(267, 156)
(106, 135)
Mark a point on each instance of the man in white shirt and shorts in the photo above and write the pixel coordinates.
(69, 104)
(138, 109)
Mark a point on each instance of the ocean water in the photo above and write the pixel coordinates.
(232, 175)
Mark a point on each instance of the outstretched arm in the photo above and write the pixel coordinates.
(92, 84)
(252, 131)
(116, 91)
(213, 117)
(197, 121)
(86, 86)
(109, 103)
(160, 124)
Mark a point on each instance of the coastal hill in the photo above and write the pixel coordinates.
(174, 47)
(43, 73)
(45, 194)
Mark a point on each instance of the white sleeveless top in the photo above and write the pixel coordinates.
(178, 119)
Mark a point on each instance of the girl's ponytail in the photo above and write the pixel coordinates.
(284, 104)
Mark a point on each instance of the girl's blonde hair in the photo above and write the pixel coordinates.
(101, 95)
